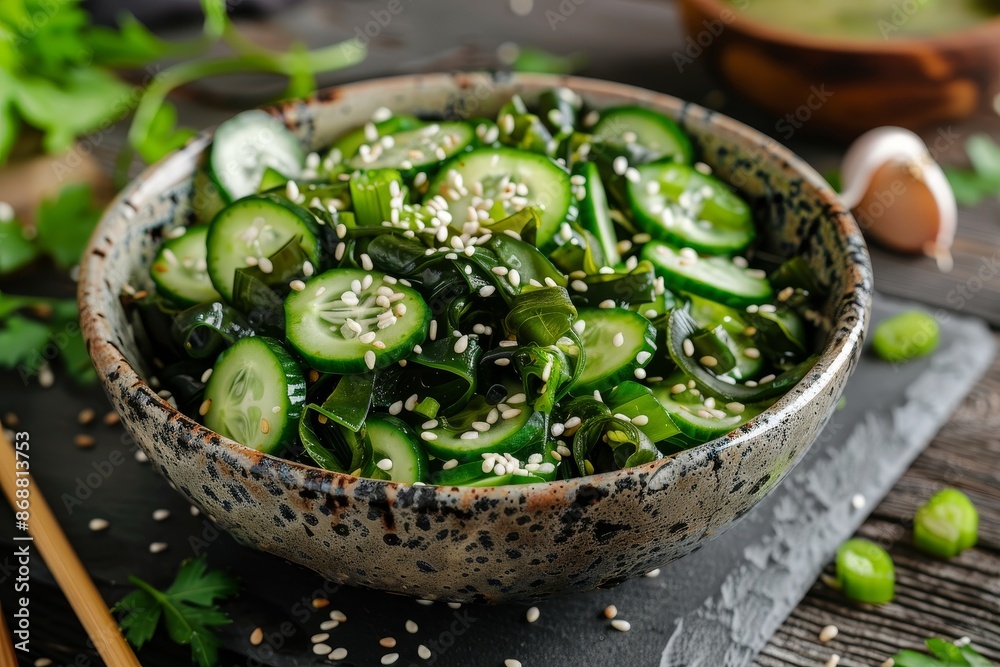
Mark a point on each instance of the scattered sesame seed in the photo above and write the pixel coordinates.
(618, 340)
(257, 636)
(338, 653)
(511, 662)
(607, 303)
(502, 361)
(639, 373)
(297, 285)
(469, 435)
(532, 614)
(828, 633)
(766, 379)
(98, 525)
(336, 614)
(620, 164)
(321, 637)
(449, 464)
(858, 501)
(411, 627)
(514, 277)
(709, 361)
(396, 408)
(328, 625)
(652, 574)
(833, 661)
(161, 515)
(387, 642)
(423, 652)
(86, 416)
(370, 360)
(620, 625)
(610, 611)
(322, 649)
(84, 441)
(688, 347)
(735, 407)
(462, 344)
(511, 413)
(390, 658)
(157, 547)
(640, 420)
(428, 435)
(384, 464)
(888, 662)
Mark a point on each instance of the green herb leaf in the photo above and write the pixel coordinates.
(946, 654)
(16, 251)
(188, 608)
(21, 342)
(65, 223)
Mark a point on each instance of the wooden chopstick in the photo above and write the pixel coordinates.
(7, 656)
(66, 567)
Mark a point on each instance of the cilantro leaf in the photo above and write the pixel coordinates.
(971, 186)
(984, 154)
(16, 251)
(21, 342)
(188, 609)
(140, 615)
(65, 223)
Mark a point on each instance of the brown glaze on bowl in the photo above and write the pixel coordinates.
(845, 86)
(484, 544)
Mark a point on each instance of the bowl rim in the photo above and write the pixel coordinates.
(955, 39)
(837, 353)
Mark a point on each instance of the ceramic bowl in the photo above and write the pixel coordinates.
(484, 544)
(844, 86)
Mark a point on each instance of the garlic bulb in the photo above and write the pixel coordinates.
(899, 194)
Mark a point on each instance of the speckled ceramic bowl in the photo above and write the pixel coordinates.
(484, 544)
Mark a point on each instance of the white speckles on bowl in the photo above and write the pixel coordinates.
(485, 544)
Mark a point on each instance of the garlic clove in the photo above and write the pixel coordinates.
(899, 194)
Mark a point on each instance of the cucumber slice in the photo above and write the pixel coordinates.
(347, 146)
(595, 215)
(255, 394)
(180, 269)
(655, 132)
(393, 439)
(353, 321)
(715, 278)
(414, 150)
(696, 420)
(731, 326)
(501, 172)
(443, 436)
(677, 203)
(247, 144)
(614, 340)
(255, 228)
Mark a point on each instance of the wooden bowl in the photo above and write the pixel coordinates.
(845, 86)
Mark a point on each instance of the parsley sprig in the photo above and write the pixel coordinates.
(187, 609)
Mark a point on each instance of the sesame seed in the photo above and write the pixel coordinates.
(265, 265)
(833, 661)
(710, 402)
(632, 174)
(257, 636)
(161, 515)
(640, 420)
(766, 379)
(84, 441)
(86, 416)
(678, 388)
(511, 662)
(514, 277)
(532, 614)
(428, 435)
(487, 290)
(265, 426)
(652, 574)
(607, 303)
(384, 464)
(423, 652)
(620, 625)
(322, 649)
(709, 361)
(98, 525)
(688, 347)
(396, 408)
(411, 402)
(328, 625)
(469, 435)
(618, 340)
(337, 615)
(858, 501)
(511, 413)
(449, 464)
(828, 633)
(387, 642)
(735, 407)
(751, 353)
(517, 398)
(411, 627)
(321, 637)
(462, 344)
(157, 547)
(640, 373)
(338, 654)
(610, 611)
(620, 164)
(370, 360)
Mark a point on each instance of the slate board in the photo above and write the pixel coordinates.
(716, 608)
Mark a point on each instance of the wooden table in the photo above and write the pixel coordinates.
(631, 41)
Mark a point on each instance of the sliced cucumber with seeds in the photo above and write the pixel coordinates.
(353, 321)
(653, 131)
(677, 203)
(255, 394)
(616, 342)
(391, 438)
(414, 150)
(595, 216)
(715, 278)
(496, 433)
(503, 173)
(348, 144)
(696, 419)
(247, 144)
(251, 230)
(731, 326)
(180, 269)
